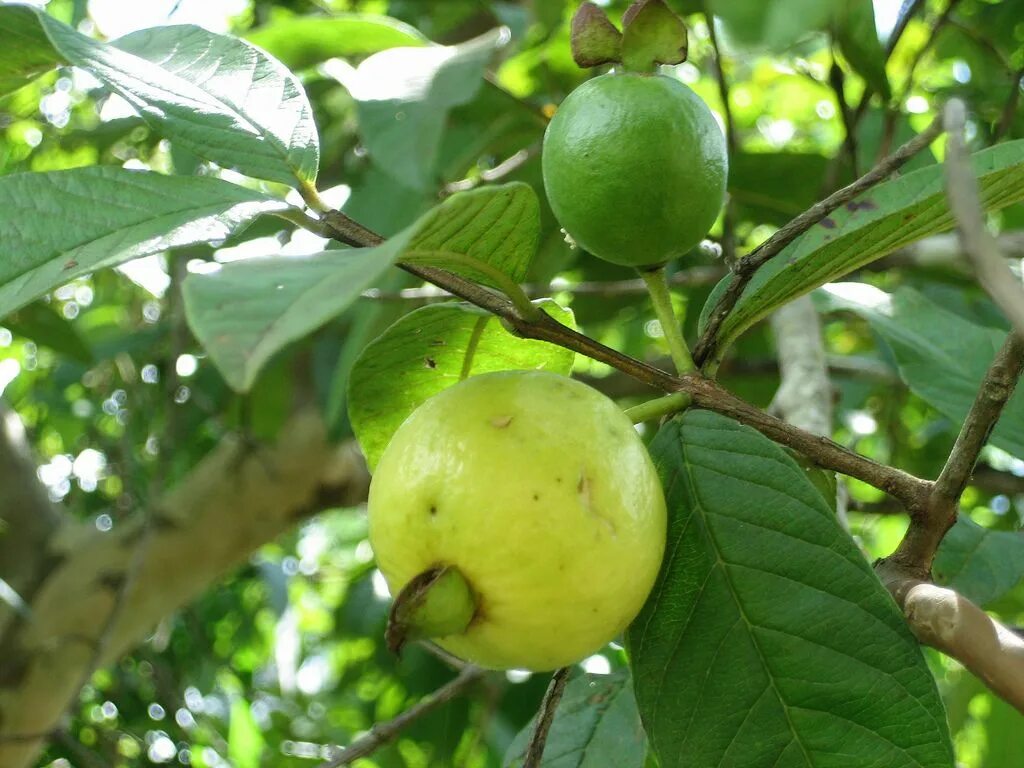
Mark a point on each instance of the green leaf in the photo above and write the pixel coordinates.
(302, 41)
(878, 222)
(772, 24)
(428, 351)
(596, 725)
(481, 232)
(41, 323)
(247, 311)
(218, 96)
(26, 53)
(854, 30)
(245, 740)
(404, 96)
(941, 356)
(59, 225)
(262, 125)
(767, 639)
(980, 564)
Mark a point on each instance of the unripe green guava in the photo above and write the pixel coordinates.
(635, 168)
(539, 491)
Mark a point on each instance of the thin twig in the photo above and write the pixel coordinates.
(908, 489)
(837, 81)
(546, 715)
(381, 733)
(1010, 108)
(731, 139)
(964, 201)
(996, 388)
(748, 265)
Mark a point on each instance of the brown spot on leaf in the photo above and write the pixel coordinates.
(500, 422)
(828, 223)
(70, 264)
(430, 363)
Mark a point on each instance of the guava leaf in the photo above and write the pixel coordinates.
(594, 39)
(58, 225)
(263, 125)
(403, 99)
(429, 350)
(652, 34)
(217, 96)
(480, 232)
(302, 41)
(245, 739)
(596, 725)
(767, 639)
(941, 356)
(26, 53)
(980, 564)
(247, 311)
(878, 222)
(773, 24)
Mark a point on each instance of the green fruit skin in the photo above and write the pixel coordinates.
(635, 168)
(539, 490)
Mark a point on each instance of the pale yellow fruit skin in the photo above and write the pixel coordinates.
(539, 490)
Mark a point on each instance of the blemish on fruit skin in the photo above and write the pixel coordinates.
(584, 488)
(500, 422)
(536, 497)
(433, 510)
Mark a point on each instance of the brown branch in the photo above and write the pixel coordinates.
(381, 733)
(906, 488)
(1010, 108)
(748, 265)
(546, 715)
(996, 389)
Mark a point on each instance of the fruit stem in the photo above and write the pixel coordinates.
(436, 603)
(658, 407)
(657, 287)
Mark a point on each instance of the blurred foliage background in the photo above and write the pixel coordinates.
(286, 654)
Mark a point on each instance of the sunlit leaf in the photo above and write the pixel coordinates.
(302, 41)
(428, 351)
(107, 216)
(245, 740)
(878, 222)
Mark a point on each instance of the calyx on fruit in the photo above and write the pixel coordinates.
(635, 168)
(651, 34)
(519, 520)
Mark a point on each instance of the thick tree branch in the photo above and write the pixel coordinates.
(949, 622)
(545, 716)
(236, 499)
(381, 733)
(748, 265)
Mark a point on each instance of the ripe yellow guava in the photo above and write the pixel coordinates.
(635, 168)
(539, 492)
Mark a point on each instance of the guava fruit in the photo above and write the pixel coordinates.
(635, 168)
(534, 491)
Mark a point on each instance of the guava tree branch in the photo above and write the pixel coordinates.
(909, 490)
(949, 622)
(749, 264)
(545, 716)
(731, 138)
(381, 733)
(235, 499)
